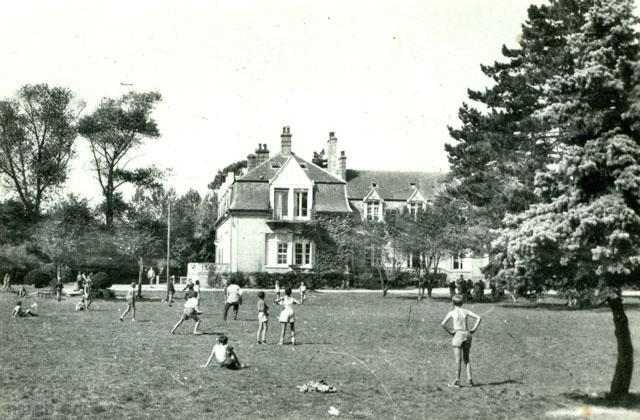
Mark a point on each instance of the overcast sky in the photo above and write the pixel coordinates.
(386, 76)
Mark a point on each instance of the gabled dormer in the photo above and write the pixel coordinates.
(416, 200)
(291, 192)
(373, 204)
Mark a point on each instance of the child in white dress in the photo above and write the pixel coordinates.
(287, 315)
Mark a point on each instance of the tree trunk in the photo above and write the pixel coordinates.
(383, 285)
(140, 273)
(624, 365)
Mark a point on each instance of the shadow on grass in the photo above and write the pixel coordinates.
(560, 307)
(496, 383)
(630, 401)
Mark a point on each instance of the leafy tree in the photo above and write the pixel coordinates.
(320, 158)
(373, 238)
(585, 232)
(115, 129)
(15, 224)
(37, 132)
(501, 144)
(235, 167)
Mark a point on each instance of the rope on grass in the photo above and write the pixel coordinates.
(368, 368)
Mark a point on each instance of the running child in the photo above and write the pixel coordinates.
(287, 315)
(196, 288)
(18, 312)
(224, 355)
(303, 292)
(189, 311)
(131, 303)
(263, 319)
(461, 336)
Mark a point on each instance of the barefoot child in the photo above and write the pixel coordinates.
(224, 354)
(189, 311)
(263, 319)
(18, 312)
(303, 292)
(287, 316)
(131, 303)
(461, 336)
(277, 290)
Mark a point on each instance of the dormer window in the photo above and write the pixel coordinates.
(373, 210)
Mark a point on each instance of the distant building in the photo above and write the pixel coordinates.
(259, 210)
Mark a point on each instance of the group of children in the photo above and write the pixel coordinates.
(456, 322)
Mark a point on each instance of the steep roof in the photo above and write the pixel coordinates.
(332, 198)
(393, 185)
(267, 170)
(250, 196)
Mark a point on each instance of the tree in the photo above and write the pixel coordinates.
(114, 130)
(37, 132)
(235, 167)
(319, 159)
(142, 233)
(374, 238)
(585, 232)
(501, 144)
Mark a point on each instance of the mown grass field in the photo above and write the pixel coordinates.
(387, 357)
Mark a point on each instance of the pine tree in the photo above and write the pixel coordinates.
(585, 232)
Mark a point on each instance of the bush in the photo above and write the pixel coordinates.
(38, 278)
(238, 278)
(437, 280)
(101, 280)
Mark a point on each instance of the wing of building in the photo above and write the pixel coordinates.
(260, 213)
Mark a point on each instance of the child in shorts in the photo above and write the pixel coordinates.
(18, 312)
(303, 292)
(277, 290)
(189, 311)
(461, 336)
(287, 316)
(131, 303)
(224, 355)
(263, 319)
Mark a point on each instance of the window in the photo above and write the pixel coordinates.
(413, 208)
(300, 202)
(372, 256)
(281, 203)
(282, 253)
(413, 261)
(372, 210)
(457, 262)
(303, 253)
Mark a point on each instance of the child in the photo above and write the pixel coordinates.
(22, 292)
(18, 312)
(131, 303)
(6, 285)
(233, 299)
(287, 316)
(59, 286)
(461, 336)
(171, 290)
(277, 289)
(263, 319)
(88, 285)
(196, 289)
(303, 292)
(224, 355)
(189, 311)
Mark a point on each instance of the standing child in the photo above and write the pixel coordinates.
(263, 319)
(303, 292)
(224, 355)
(131, 303)
(59, 287)
(277, 289)
(196, 289)
(287, 315)
(189, 311)
(461, 336)
(18, 312)
(88, 285)
(171, 290)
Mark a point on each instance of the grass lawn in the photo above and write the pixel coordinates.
(387, 357)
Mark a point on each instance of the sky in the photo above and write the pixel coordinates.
(386, 76)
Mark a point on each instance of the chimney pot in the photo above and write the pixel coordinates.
(285, 141)
(343, 165)
(332, 154)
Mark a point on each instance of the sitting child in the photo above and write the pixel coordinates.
(82, 305)
(22, 292)
(18, 312)
(224, 354)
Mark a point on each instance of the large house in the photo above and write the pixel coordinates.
(258, 211)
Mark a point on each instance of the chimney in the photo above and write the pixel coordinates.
(265, 153)
(343, 166)
(259, 154)
(285, 139)
(251, 162)
(332, 154)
